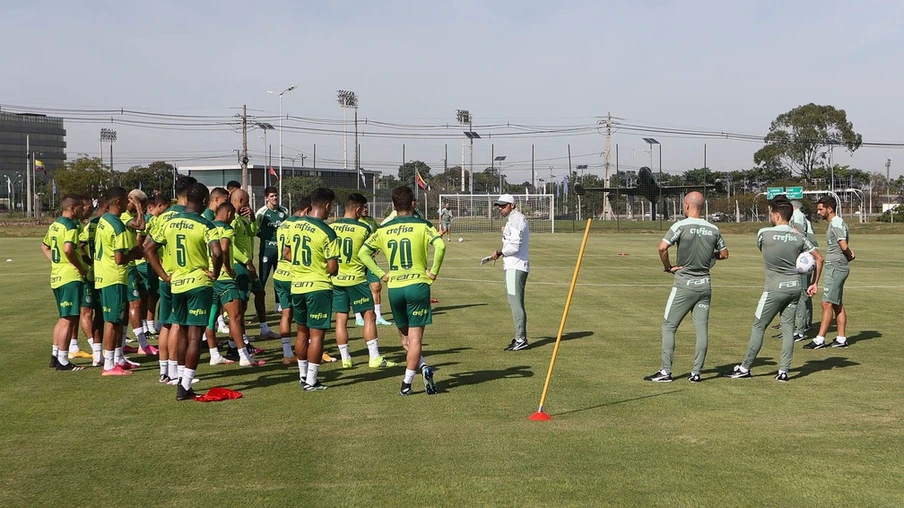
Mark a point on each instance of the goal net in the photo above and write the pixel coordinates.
(476, 213)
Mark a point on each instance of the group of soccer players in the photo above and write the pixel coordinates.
(113, 264)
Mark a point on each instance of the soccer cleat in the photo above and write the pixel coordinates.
(251, 362)
(314, 387)
(254, 350)
(434, 300)
(429, 385)
(116, 371)
(814, 345)
(325, 358)
(269, 335)
(223, 330)
(516, 345)
(129, 364)
(53, 362)
(381, 321)
(149, 351)
(129, 350)
(98, 363)
(221, 361)
(183, 394)
(164, 379)
(79, 354)
(694, 378)
(380, 363)
(359, 321)
(781, 377)
(232, 353)
(347, 364)
(837, 343)
(799, 337)
(69, 367)
(659, 377)
(173, 381)
(406, 389)
(290, 361)
(737, 373)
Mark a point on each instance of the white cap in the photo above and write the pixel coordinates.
(505, 199)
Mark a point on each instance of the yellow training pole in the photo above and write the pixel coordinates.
(540, 415)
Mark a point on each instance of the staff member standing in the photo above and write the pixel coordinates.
(515, 240)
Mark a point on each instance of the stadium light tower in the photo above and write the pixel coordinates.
(348, 99)
(652, 142)
(284, 92)
(464, 117)
(264, 126)
(499, 159)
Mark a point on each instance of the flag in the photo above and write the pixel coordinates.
(273, 172)
(54, 186)
(39, 166)
(420, 180)
(363, 180)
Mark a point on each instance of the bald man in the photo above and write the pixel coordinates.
(699, 245)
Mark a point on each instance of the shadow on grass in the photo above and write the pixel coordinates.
(864, 335)
(446, 308)
(833, 362)
(722, 369)
(623, 401)
(482, 376)
(346, 378)
(566, 336)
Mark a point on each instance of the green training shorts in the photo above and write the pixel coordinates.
(192, 307)
(411, 305)
(313, 309)
(357, 297)
(113, 301)
(69, 298)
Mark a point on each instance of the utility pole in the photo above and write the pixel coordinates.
(891, 212)
(607, 207)
(246, 184)
(28, 168)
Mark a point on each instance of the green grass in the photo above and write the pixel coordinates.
(832, 436)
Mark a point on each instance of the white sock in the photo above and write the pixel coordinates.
(108, 360)
(73, 347)
(377, 311)
(180, 370)
(142, 340)
(744, 370)
(54, 350)
(313, 368)
(286, 347)
(125, 338)
(63, 357)
(117, 356)
(358, 316)
(164, 366)
(421, 362)
(302, 369)
(221, 323)
(187, 376)
(819, 339)
(243, 354)
(343, 352)
(90, 341)
(215, 354)
(409, 376)
(173, 369)
(842, 339)
(373, 349)
(97, 351)
(265, 329)
(150, 325)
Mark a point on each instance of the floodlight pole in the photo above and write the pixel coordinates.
(287, 90)
(499, 159)
(651, 142)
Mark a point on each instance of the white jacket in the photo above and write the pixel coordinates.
(515, 239)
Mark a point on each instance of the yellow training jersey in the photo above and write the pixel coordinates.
(62, 231)
(243, 243)
(188, 236)
(404, 241)
(167, 258)
(126, 217)
(312, 243)
(86, 237)
(283, 272)
(352, 234)
(110, 238)
(224, 231)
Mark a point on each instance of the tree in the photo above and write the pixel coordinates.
(407, 170)
(298, 186)
(85, 175)
(157, 175)
(802, 137)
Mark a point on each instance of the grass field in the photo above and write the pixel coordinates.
(830, 437)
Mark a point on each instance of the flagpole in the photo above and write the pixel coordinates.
(28, 175)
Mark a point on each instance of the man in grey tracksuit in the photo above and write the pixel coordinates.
(515, 240)
(804, 317)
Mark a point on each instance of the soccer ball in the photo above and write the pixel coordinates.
(805, 262)
(460, 239)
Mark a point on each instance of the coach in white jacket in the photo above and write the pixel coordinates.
(515, 240)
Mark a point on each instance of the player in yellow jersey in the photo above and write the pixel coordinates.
(60, 247)
(82, 211)
(243, 250)
(92, 317)
(193, 239)
(313, 250)
(404, 240)
(218, 196)
(136, 224)
(282, 280)
(376, 286)
(113, 252)
(350, 288)
(156, 207)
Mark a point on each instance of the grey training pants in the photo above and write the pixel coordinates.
(515, 281)
(770, 304)
(681, 301)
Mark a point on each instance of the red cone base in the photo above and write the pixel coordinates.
(540, 416)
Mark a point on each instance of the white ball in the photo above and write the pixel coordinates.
(805, 262)
(9, 260)
(460, 239)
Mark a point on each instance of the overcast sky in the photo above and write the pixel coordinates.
(731, 66)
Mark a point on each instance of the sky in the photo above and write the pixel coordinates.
(714, 66)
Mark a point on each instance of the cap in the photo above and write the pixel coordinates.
(505, 199)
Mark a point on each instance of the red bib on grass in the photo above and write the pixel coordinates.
(217, 394)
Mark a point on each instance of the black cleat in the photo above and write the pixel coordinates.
(68, 367)
(737, 373)
(53, 362)
(183, 394)
(429, 385)
(781, 377)
(659, 377)
(694, 377)
(799, 337)
(232, 353)
(406, 389)
(314, 387)
(165, 379)
(837, 343)
(517, 345)
(814, 345)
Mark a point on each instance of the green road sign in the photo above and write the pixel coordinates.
(794, 192)
(771, 192)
